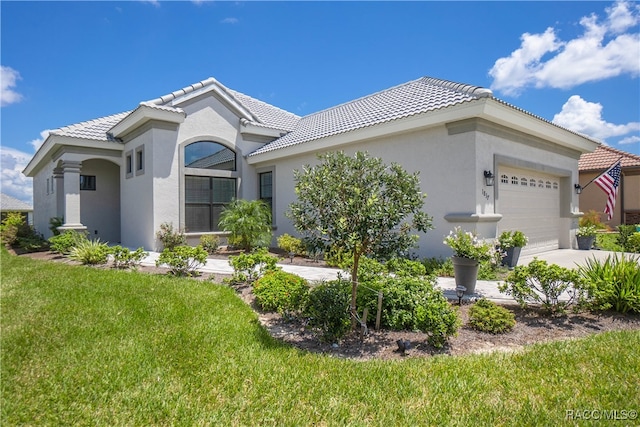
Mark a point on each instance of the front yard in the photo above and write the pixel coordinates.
(82, 346)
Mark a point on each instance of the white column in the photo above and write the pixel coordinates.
(71, 171)
(58, 177)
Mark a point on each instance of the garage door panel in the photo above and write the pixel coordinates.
(530, 201)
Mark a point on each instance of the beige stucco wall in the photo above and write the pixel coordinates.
(594, 198)
(451, 166)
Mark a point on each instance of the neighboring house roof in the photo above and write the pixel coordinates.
(604, 157)
(408, 99)
(95, 129)
(11, 204)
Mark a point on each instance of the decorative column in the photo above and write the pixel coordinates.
(58, 177)
(71, 172)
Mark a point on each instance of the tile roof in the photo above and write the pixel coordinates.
(95, 129)
(408, 99)
(604, 157)
(267, 114)
(8, 203)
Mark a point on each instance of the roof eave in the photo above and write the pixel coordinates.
(143, 114)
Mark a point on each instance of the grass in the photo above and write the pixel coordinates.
(84, 346)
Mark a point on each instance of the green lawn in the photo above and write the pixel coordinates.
(83, 346)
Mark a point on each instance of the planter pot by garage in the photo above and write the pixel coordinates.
(466, 273)
(511, 258)
(585, 242)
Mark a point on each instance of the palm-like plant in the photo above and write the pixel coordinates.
(249, 222)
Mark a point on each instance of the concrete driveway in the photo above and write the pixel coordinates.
(570, 258)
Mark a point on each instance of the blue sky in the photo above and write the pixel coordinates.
(574, 63)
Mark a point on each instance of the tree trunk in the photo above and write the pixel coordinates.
(354, 290)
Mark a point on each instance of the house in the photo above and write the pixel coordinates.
(592, 165)
(182, 157)
(11, 204)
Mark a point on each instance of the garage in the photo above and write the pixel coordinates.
(530, 201)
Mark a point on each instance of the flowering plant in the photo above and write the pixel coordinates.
(512, 239)
(586, 231)
(467, 245)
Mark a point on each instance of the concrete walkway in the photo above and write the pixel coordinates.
(568, 258)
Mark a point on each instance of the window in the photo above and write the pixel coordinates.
(548, 184)
(88, 182)
(540, 184)
(48, 186)
(205, 198)
(129, 164)
(266, 189)
(209, 155)
(532, 183)
(504, 179)
(514, 180)
(555, 185)
(140, 160)
(524, 182)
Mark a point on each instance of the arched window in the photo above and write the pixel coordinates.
(209, 155)
(532, 183)
(548, 184)
(555, 185)
(504, 179)
(524, 182)
(540, 184)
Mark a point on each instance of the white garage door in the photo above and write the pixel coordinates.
(530, 201)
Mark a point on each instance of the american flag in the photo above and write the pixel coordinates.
(609, 182)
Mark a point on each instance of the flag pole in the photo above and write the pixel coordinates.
(599, 175)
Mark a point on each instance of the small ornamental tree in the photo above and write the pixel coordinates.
(360, 205)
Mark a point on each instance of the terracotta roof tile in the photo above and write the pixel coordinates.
(604, 157)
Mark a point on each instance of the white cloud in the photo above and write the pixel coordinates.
(604, 50)
(586, 118)
(36, 143)
(629, 140)
(14, 183)
(8, 79)
(229, 21)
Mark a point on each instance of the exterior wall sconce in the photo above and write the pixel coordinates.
(488, 178)
(578, 188)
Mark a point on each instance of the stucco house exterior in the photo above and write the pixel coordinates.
(592, 165)
(181, 157)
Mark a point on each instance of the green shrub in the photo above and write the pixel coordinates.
(487, 316)
(542, 283)
(183, 260)
(438, 266)
(328, 309)
(281, 291)
(291, 245)
(249, 222)
(633, 243)
(210, 243)
(63, 243)
(249, 267)
(91, 252)
(625, 233)
(10, 227)
(54, 223)
(608, 242)
(411, 303)
(338, 257)
(406, 267)
(169, 237)
(125, 258)
(613, 283)
(512, 239)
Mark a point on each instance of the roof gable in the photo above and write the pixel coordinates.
(11, 204)
(604, 157)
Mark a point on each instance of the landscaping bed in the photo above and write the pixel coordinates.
(531, 327)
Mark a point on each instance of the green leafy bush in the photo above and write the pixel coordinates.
(542, 283)
(291, 244)
(63, 243)
(125, 258)
(249, 222)
(633, 243)
(280, 291)
(54, 223)
(487, 316)
(91, 252)
(249, 267)
(512, 239)
(405, 267)
(625, 235)
(170, 237)
(613, 283)
(608, 242)
(183, 260)
(210, 243)
(10, 227)
(328, 309)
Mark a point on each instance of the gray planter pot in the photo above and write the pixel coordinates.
(466, 273)
(585, 242)
(511, 258)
